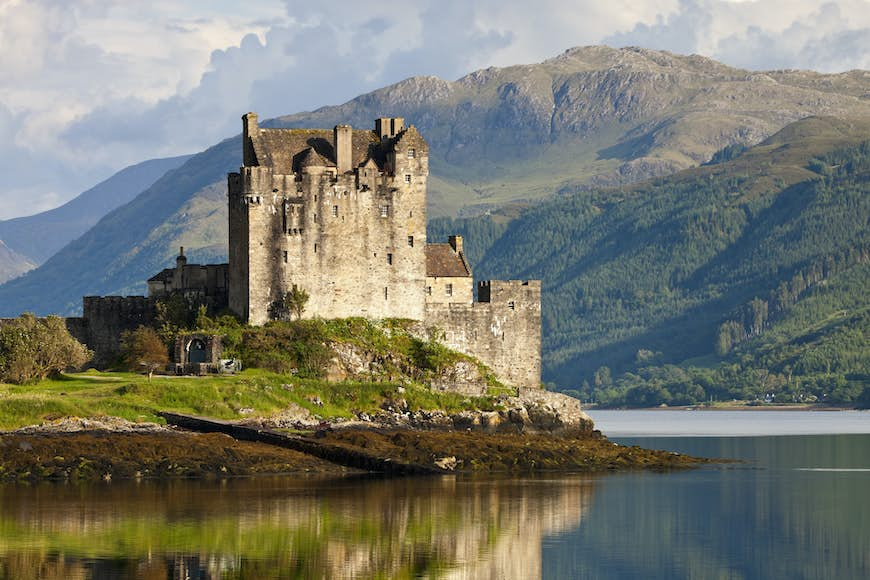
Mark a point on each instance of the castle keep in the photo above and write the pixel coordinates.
(341, 214)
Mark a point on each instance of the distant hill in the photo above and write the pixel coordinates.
(589, 118)
(38, 237)
(12, 264)
(750, 273)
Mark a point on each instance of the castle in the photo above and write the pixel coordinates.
(341, 214)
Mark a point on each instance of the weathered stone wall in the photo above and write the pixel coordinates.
(502, 329)
(355, 241)
(106, 318)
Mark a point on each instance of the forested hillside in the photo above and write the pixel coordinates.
(750, 273)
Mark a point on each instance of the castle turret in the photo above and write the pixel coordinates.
(178, 275)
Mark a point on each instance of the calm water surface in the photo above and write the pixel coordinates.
(798, 507)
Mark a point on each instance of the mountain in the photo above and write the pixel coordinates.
(749, 273)
(12, 264)
(590, 117)
(39, 236)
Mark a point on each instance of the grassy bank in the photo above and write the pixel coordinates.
(249, 394)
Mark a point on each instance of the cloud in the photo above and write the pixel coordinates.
(762, 35)
(91, 86)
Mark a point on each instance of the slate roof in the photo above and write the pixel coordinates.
(164, 276)
(442, 261)
(284, 149)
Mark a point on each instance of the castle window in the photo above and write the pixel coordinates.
(315, 248)
(511, 305)
(390, 259)
(315, 217)
(412, 153)
(448, 289)
(428, 290)
(411, 241)
(285, 256)
(407, 178)
(385, 292)
(335, 211)
(385, 211)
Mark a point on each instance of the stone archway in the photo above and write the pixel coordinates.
(196, 351)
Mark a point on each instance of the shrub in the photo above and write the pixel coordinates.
(143, 349)
(34, 348)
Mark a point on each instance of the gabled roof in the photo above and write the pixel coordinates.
(443, 261)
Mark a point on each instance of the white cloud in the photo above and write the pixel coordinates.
(90, 86)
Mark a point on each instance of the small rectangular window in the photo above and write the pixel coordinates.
(390, 259)
(385, 292)
(285, 257)
(407, 178)
(335, 211)
(511, 305)
(385, 211)
(429, 290)
(448, 289)
(315, 248)
(412, 153)
(411, 241)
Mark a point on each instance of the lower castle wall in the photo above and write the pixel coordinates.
(106, 318)
(503, 330)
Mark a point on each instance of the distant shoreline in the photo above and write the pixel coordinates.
(727, 407)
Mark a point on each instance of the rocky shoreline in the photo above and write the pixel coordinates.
(531, 432)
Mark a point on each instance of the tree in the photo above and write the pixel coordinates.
(295, 301)
(32, 349)
(143, 349)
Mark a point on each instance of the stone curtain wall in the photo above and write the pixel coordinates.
(503, 329)
(106, 318)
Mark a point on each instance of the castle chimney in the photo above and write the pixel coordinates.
(455, 243)
(250, 129)
(389, 126)
(342, 140)
(178, 275)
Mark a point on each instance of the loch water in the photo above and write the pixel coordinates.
(795, 505)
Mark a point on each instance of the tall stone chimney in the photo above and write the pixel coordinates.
(455, 243)
(342, 141)
(250, 129)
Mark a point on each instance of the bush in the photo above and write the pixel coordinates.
(32, 349)
(143, 350)
(298, 347)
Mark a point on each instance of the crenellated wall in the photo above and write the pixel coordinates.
(502, 329)
(105, 318)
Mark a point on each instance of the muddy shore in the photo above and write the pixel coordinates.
(92, 451)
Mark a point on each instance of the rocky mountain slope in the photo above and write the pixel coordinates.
(592, 116)
(12, 264)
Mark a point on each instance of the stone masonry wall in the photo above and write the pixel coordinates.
(502, 329)
(106, 318)
(355, 241)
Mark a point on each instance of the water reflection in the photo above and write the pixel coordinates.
(283, 528)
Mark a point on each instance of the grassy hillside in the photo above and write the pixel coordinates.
(725, 264)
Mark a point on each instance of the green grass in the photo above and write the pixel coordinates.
(257, 393)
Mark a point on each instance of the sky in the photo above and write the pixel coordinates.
(88, 87)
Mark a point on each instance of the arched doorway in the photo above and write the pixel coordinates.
(196, 351)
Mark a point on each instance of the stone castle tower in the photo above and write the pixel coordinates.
(341, 214)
